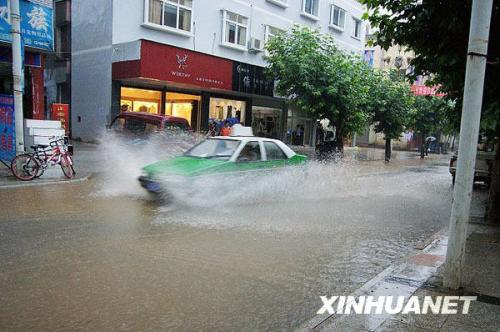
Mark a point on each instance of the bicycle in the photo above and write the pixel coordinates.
(29, 166)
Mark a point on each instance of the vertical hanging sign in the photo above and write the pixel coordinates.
(7, 128)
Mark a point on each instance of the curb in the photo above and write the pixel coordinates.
(373, 285)
(45, 183)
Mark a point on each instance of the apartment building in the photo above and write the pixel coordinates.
(197, 59)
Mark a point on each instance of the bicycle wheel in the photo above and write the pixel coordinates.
(67, 166)
(25, 167)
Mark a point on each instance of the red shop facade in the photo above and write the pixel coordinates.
(199, 87)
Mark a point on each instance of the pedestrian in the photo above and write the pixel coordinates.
(212, 129)
(226, 130)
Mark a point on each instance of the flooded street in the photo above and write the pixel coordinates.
(248, 255)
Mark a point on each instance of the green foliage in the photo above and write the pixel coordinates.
(392, 104)
(319, 78)
(438, 33)
(431, 115)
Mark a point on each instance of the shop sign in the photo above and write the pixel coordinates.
(424, 90)
(168, 63)
(60, 112)
(251, 79)
(37, 26)
(7, 128)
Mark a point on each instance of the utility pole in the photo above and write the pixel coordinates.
(17, 71)
(469, 133)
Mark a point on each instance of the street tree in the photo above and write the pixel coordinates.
(320, 79)
(391, 103)
(438, 33)
(430, 115)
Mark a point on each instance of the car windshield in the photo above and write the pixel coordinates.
(135, 126)
(221, 149)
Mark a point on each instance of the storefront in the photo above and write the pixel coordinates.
(198, 87)
(222, 109)
(176, 104)
(300, 128)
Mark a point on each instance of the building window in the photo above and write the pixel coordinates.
(337, 17)
(235, 29)
(271, 32)
(310, 7)
(356, 32)
(175, 14)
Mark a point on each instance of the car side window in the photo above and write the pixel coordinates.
(135, 126)
(274, 152)
(175, 126)
(250, 152)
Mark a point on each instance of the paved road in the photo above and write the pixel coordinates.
(246, 255)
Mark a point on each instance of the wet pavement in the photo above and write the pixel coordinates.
(254, 255)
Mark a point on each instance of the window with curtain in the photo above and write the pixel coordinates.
(310, 7)
(176, 14)
(235, 29)
(356, 32)
(337, 18)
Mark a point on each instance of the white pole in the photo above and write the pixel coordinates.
(469, 133)
(17, 71)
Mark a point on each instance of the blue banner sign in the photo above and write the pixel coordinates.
(7, 128)
(37, 23)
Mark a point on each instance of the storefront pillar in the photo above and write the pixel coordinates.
(163, 101)
(205, 110)
(284, 119)
(248, 112)
(115, 101)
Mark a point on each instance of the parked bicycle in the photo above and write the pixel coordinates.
(28, 166)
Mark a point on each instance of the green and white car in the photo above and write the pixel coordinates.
(220, 156)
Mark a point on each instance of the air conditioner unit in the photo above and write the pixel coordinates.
(256, 45)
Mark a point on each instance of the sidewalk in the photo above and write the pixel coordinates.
(364, 153)
(421, 275)
(52, 176)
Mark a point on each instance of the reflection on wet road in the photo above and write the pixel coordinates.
(76, 257)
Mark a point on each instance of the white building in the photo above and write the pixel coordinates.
(198, 59)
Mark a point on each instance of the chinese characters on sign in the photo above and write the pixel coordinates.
(36, 23)
(251, 79)
(423, 90)
(171, 64)
(61, 112)
(7, 128)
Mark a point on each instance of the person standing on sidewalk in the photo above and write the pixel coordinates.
(226, 130)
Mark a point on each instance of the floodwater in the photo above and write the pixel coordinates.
(238, 254)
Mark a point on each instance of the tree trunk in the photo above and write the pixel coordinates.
(340, 136)
(493, 211)
(422, 146)
(388, 150)
(340, 142)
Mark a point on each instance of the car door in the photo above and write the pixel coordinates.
(250, 157)
(275, 157)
